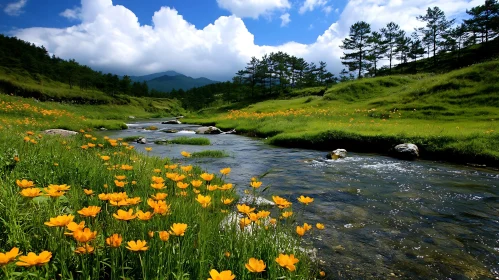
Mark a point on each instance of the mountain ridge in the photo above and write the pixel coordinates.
(169, 80)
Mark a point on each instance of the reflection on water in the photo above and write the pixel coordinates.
(384, 218)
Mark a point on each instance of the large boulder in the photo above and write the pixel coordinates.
(406, 151)
(142, 140)
(171, 122)
(336, 154)
(61, 132)
(232, 131)
(208, 130)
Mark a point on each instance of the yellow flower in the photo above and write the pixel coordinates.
(272, 221)
(305, 200)
(196, 183)
(30, 133)
(105, 158)
(281, 202)
(204, 200)
(60, 221)
(207, 177)
(263, 214)
(148, 149)
(88, 192)
(253, 217)
(185, 154)
(212, 188)
(103, 196)
(227, 254)
(225, 171)
(124, 215)
(172, 166)
(144, 216)
(178, 229)
(126, 167)
(85, 249)
(182, 185)
(307, 227)
(151, 234)
(26, 139)
(159, 196)
(91, 145)
(160, 206)
(226, 187)
(25, 183)
(287, 214)
(120, 184)
(196, 191)
(255, 265)
(33, 259)
(7, 257)
(75, 227)
(244, 222)
(84, 147)
(287, 261)
(63, 187)
(224, 275)
(178, 177)
(255, 184)
(90, 211)
(183, 193)
(134, 182)
(186, 168)
(84, 235)
(120, 177)
(31, 192)
(156, 170)
(158, 186)
(136, 246)
(322, 273)
(114, 241)
(227, 201)
(158, 180)
(245, 209)
(164, 235)
(319, 226)
(88, 136)
(300, 230)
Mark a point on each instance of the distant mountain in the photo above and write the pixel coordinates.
(166, 81)
(153, 76)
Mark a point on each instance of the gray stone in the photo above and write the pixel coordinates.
(171, 122)
(406, 151)
(249, 199)
(131, 117)
(61, 132)
(336, 154)
(142, 140)
(169, 131)
(179, 117)
(232, 131)
(208, 130)
(102, 129)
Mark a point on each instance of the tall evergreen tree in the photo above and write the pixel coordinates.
(391, 33)
(378, 50)
(436, 27)
(357, 45)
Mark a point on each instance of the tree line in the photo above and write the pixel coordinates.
(364, 48)
(36, 62)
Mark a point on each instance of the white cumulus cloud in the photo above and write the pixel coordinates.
(253, 8)
(110, 38)
(285, 19)
(310, 5)
(74, 13)
(15, 8)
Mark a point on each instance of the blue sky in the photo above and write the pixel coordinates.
(212, 38)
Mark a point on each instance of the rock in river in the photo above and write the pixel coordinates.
(208, 130)
(142, 140)
(406, 151)
(336, 154)
(171, 122)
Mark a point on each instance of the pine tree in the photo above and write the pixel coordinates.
(358, 45)
(378, 50)
(391, 33)
(436, 27)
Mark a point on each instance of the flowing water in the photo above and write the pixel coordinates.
(385, 218)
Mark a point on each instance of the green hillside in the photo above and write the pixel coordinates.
(452, 116)
(167, 83)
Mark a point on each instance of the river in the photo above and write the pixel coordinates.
(385, 218)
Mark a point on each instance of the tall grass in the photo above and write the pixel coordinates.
(93, 167)
(210, 154)
(184, 140)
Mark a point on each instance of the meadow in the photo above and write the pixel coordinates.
(91, 207)
(452, 116)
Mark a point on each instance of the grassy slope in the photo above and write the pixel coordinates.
(453, 115)
(97, 109)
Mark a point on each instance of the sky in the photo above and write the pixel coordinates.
(203, 38)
